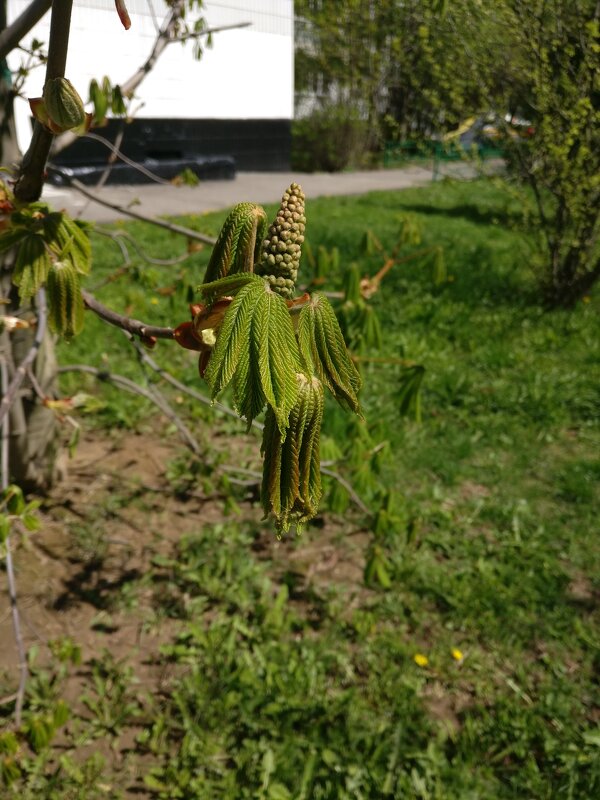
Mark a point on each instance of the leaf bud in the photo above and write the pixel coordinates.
(63, 105)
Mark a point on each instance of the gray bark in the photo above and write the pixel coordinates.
(33, 429)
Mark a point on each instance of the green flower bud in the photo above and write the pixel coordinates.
(281, 249)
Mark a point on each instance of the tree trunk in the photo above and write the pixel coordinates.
(32, 426)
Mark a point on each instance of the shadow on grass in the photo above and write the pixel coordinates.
(474, 280)
(88, 586)
(503, 216)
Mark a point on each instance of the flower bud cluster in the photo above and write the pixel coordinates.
(281, 250)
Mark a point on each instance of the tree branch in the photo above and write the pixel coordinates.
(130, 386)
(31, 178)
(9, 396)
(160, 223)
(122, 157)
(162, 402)
(20, 27)
(133, 326)
(349, 488)
(147, 359)
(10, 572)
(166, 36)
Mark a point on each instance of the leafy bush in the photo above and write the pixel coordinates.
(330, 140)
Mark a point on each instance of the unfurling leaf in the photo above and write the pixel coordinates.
(278, 357)
(32, 266)
(323, 349)
(409, 392)
(99, 99)
(372, 329)
(117, 103)
(239, 243)
(65, 303)
(440, 273)
(352, 284)
(291, 486)
(234, 336)
(44, 237)
(70, 241)
(227, 286)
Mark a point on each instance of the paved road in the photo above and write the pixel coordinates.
(257, 187)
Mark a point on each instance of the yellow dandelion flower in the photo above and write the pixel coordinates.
(457, 654)
(586, 299)
(420, 660)
(154, 301)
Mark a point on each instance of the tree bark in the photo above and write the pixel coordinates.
(33, 430)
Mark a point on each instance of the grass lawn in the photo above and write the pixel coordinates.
(271, 669)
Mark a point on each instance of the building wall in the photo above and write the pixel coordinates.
(246, 75)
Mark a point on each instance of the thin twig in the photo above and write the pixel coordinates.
(252, 473)
(20, 27)
(122, 157)
(135, 388)
(162, 402)
(208, 31)
(112, 159)
(10, 571)
(153, 15)
(159, 262)
(9, 396)
(348, 487)
(134, 326)
(160, 223)
(35, 384)
(117, 237)
(147, 359)
(167, 36)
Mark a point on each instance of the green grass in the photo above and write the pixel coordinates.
(282, 685)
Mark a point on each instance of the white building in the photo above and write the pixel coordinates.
(236, 101)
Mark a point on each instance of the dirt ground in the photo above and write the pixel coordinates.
(102, 526)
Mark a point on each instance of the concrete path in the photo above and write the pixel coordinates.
(257, 187)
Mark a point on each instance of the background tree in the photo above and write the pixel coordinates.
(559, 91)
(413, 69)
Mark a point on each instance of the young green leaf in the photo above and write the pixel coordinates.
(11, 237)
(248, 395)
(323, 349)
(228, 285)
(65, 303)
(278, 358)
(239, 242)
(256, 347)
(32, 265)
(233, 336)
(291, 486)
